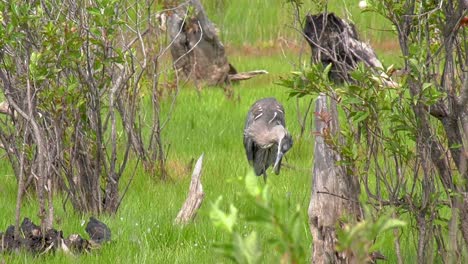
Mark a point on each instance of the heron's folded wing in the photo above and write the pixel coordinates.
(260, 160)
(249, 146)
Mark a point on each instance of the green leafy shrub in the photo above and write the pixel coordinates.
(283, 225)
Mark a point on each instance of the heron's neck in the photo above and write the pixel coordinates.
(278, 132)
(267, 137)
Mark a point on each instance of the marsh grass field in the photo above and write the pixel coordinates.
(211, 122)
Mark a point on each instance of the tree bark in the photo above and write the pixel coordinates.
(334, 193)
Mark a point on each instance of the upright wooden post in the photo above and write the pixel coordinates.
(334, 193)
(195, 196)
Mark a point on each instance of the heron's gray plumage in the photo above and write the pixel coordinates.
(265, 131)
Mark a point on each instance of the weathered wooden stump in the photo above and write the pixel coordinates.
(196, 49)
(195, 196)
(335, 41)
(334, 193)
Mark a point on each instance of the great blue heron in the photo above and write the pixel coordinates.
(266, 139)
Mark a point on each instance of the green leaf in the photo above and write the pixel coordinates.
(360, 116)
(263, 215)
(352, 100)
(456, 146)
(247, 250)
(391, 224)
(225, 249)
(251, 185)
(326, 71)
(94, 11)
(221, 219)
(415, 65)
(426, 85)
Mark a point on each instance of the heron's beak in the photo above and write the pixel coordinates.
(279, 155)
(277, 165)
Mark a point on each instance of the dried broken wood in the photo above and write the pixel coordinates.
(245, 75)
(5, 108)
(195, 196)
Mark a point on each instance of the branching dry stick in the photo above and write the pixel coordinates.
(93, 192)
(50, 201)
(139, 38)
(113, 177)
(21, 189)
(303, 122)
(397, 242)
(157, 150)
(128, 185)
(429, 147)
(111, 199)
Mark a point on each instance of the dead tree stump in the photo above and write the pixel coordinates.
(195, 196)
(334, 41)
(334, 193)
(196, 49)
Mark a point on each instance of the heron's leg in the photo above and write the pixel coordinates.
(265, 176)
